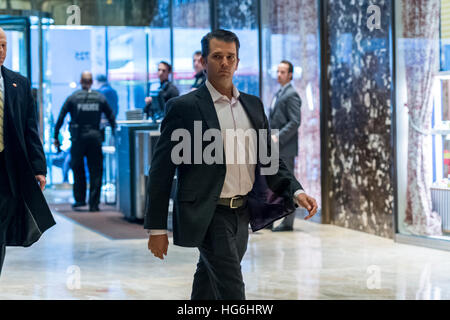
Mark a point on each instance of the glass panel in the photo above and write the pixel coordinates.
(191, 23)
(290, 32)
(441, 139)
(445, 85)
(421, 144)
(241, 17)
(73, 50)
(17, 51)
(445, 35)
(159, 43)
(127, 66)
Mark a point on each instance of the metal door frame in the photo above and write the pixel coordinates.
(22, 22)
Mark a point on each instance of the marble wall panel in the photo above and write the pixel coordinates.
(359, 95)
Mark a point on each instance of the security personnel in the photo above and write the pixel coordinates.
(85, 107)
(166, 91)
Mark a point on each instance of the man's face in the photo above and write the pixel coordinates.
(163, 72)
(284, 76)
(222, 61)
(3, 46)
(196, 60)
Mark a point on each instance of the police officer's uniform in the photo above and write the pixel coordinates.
(85, 108)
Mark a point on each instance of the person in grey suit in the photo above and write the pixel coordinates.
(216, 201)
(285, 116)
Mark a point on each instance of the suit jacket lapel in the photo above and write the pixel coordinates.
(282, 93)
(250, 112)
(206, 106)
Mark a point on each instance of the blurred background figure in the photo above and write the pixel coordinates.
(285, 115)
(109, 93)
(154, 106)
(200, 76)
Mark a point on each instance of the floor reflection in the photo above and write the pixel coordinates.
(314, 262)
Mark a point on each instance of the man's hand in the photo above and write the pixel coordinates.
(158, 245)
(148, 100)
(309, 203)
(42, 181)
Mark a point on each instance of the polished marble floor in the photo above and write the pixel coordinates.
(313, 262)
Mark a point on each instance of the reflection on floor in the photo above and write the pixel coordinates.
(314, 262)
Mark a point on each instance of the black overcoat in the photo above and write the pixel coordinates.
(24, 157)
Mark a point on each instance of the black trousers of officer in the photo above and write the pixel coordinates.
(8, 206)
(88, 145)
(218, 275)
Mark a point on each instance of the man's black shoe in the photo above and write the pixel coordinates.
(94, 209)
(270, 226)
(282, 228)
(78, 204)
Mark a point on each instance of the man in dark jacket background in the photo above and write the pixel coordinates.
(109, 93)
(167, 90)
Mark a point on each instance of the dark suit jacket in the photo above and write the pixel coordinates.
(199, 185)
(24, 157)
(168, 91)
(286, 117)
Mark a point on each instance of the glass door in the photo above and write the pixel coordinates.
(18, 56)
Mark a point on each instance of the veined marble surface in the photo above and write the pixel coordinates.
(314, 262)
(360, 162)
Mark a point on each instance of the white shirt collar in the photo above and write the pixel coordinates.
(216, 95)
(285, 86)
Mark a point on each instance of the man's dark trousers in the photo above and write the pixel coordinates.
(7, 207)
(218, 275)
(289, 161)
(88, 145)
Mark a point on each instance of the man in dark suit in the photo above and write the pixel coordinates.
(215, 201)
(285, 116)
(24, 213)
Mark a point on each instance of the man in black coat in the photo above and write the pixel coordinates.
(215, 201)
(285, 116)
(24, 213)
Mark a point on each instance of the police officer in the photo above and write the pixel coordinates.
(85, 107)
